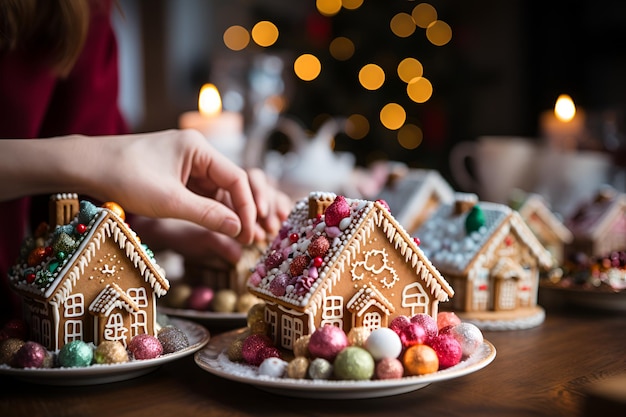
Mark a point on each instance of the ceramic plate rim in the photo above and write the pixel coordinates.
(202, 315)
(80, 376)
(208, 359)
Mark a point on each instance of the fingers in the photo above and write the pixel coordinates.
(273, 206)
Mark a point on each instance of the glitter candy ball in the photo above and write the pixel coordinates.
(399, 323)
(145, 346)
(234, 351)
(172, 339)
(383, 343)
(358, 335)
(354, 363)
(298, 367)
(76, 354)
(256, 313)
(389, 368)
(251, 347)
(320, 368)
(420, 360)
(225, 301)
(428, 323)
(245, 302)
(448, 350)
(447, 318)
(110, 351)
(30, 355)
(412, 334)
(301, 346)
(8, 349)
(273, 367)
(327, 341)
(200, 298)
(469, 337)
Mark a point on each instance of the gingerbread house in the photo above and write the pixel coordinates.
(599, 225)
(414, 195)
(492, 259)
(344, 262)
(549, 229)
(86, 276)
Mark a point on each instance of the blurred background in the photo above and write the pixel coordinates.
(378, 81)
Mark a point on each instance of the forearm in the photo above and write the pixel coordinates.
(29, 167)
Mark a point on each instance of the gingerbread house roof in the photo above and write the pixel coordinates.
(54, 277)
(448, 245)
(594, 218)
(409, 193)
(535, 204)
(345, 244)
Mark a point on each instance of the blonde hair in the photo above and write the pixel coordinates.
(55, 28)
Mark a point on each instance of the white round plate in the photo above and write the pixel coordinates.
(214, 359)
(232, 320)
(102, 374)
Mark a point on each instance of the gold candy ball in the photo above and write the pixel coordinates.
(115, 208)
(358, 335)
(110, 352)
(420, 360)
(298, 367)
(301, 346)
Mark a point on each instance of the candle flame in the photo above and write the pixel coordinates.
(564, 109)
(209, 100)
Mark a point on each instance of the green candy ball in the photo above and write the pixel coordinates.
(354, 363)
(76, 354)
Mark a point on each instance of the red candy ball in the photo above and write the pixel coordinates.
(252, 346)
(327, 341)
(412, 334)
(398, 323)
(145, 346)
(428, 323)
(448, 350)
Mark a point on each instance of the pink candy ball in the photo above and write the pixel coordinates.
(327, 341)
(447, 318)
(145, 346)
(428, 323)
(253, 346)
(398, 323)
(200, 298)
(448, 350)
(412, 334)
(389, 368)
(30, 355)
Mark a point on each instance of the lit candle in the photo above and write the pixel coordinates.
(563, 127)
(224, 129)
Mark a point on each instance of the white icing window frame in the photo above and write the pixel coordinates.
(73, 330)
(139, 296)
(114, 328)
(372, 320)
(140, 323)
(415, 297)
(74, 306)
(333, 308)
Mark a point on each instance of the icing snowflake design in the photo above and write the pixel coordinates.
(377, 265)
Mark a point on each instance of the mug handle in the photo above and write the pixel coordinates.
(460, 155)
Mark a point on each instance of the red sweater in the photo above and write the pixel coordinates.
(34, 103)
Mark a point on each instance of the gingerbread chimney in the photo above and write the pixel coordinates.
(63, 207)
(318, 202)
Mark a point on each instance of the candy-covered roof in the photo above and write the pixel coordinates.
(311, 253)
(453, 247)
(592, 219)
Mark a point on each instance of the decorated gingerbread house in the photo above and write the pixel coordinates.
(544, 223)
(492, 259)
(599, 225)
(343, 262)
(414, 195)
(86, 276)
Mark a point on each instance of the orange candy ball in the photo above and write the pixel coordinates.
(115, 208)
(420, 360)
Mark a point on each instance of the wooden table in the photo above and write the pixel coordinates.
(543, 371)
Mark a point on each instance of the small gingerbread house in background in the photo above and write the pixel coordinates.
(86, 276)
(414, 194)
(544, 223)
(343, 262)
(599, 225)
(491, 258)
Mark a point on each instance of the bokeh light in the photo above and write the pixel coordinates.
(265, 33)
(371, 77)
(328, 7)
(410, 68)
(410, 136)
(341, 48)
(392, 116)
(419, 90)
(402, 25)
(236, 38)
(357, 126)
(564, 108)
(423, 15)
(439, 33)
(307, 67)
(351, 4)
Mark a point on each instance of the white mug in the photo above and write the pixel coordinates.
(497, 165)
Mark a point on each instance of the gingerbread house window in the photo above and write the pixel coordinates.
(508, 294)
(138, 295)
(139, 325)
(292, 330)
(270, 319)
(415, 297)
(114, 329)
(372, 321)
(73, 330)
(480, 296)
(75, 306)
(46, 332)
(333, 311)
